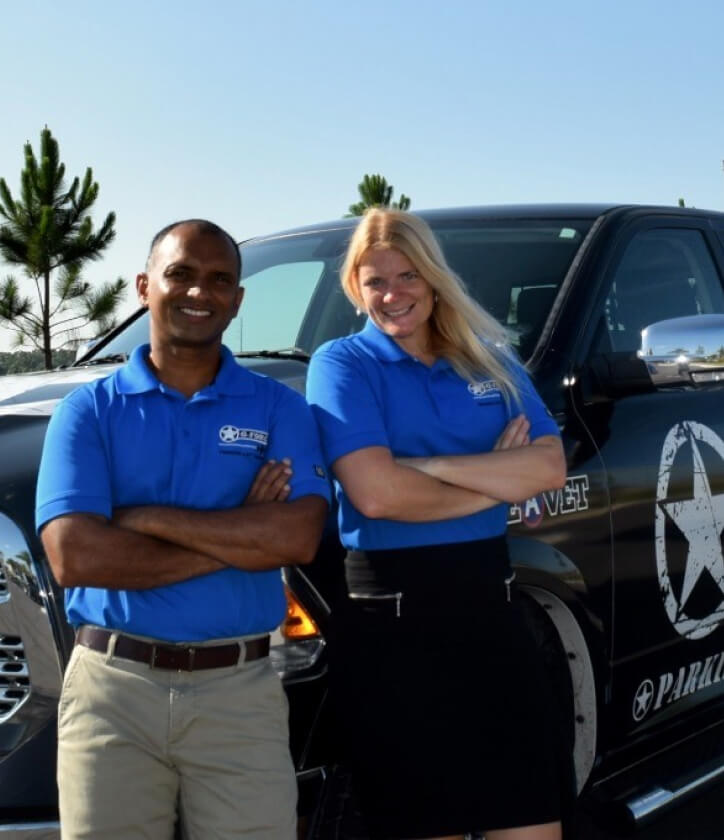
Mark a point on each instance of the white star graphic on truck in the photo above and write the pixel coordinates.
(701, 521)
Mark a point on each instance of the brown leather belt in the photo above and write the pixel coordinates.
(173, 657)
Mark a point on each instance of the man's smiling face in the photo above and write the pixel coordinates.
(191, 287)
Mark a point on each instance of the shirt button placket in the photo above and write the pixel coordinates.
(184, 456)
(436, 392)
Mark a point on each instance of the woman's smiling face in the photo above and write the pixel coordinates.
(397, 299)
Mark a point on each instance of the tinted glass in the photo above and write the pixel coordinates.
(664, 273)
(514, 268)
(293, 298)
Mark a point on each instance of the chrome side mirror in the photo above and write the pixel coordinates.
(686, 350)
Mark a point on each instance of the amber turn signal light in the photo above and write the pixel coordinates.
(297, 624)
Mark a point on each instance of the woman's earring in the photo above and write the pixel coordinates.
(358, 311)
(435, 297)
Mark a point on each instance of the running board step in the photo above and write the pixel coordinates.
(643, 808)
(30, 831)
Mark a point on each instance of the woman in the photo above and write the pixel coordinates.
(431, 428)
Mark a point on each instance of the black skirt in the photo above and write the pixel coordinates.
(445, 717)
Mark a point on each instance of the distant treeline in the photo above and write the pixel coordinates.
(22, 361)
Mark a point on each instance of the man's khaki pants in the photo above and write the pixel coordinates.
(136, 745)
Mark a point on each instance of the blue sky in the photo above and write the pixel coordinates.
(265, 115)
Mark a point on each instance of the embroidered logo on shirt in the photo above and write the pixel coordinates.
(486, 390)
(247, 441)
(319, 470)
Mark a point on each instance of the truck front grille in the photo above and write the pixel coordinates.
(14, 675)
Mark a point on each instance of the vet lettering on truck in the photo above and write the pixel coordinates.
(571, 498)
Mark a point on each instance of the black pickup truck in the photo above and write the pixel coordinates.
(618, 311)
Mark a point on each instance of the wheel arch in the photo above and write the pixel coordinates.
(580, 670)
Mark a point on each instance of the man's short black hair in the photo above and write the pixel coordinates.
(204, 226)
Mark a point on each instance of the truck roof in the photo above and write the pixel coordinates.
(506, 211)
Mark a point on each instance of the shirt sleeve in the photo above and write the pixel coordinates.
(529, 403)
(344, 404)
(294, 435)
(74, 476)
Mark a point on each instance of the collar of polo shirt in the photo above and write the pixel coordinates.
(136, 377)
(386, 349)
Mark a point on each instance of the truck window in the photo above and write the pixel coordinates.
(515, 268)
(275, 300)
(664, 273)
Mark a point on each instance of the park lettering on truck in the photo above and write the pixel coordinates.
(670, 686)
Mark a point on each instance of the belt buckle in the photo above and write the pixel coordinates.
(180, 652)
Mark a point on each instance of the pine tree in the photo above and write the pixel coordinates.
(376, 192)
(48, 231)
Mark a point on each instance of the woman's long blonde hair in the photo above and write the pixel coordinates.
(461, 331)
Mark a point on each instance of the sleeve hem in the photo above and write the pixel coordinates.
(351, 443)
(71, 504)
(311, 488)
(543, 428)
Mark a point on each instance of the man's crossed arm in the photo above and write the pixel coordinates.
(154, 545)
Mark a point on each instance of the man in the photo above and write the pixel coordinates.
(169, 495)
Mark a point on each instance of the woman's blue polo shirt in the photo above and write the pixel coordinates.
(365, 390)
(129, 440)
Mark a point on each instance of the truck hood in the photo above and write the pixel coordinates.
(39, 393)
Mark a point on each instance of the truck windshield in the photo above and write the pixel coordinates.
(514, 268)
(293, 298)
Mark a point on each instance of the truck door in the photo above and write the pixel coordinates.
(663, 450)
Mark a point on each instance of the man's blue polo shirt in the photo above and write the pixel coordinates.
(365, 390)
(131, 440)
